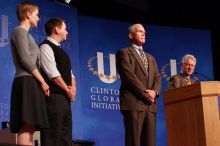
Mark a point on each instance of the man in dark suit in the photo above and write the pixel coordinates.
(140, 85)
(187, 68)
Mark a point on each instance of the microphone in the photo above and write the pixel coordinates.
(203, 75)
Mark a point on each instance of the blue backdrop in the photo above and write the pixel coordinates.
(92, 44)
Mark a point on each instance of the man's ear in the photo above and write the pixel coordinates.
(181, 66)
(57, 30)
(130, 36)
(28, 15)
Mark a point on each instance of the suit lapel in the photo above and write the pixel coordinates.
(149, 59)
(137, 57)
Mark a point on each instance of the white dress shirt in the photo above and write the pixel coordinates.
(48, 62)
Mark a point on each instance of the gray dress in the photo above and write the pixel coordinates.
(27, 97)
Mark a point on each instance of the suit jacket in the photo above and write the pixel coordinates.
(177, 81)
(135, 79)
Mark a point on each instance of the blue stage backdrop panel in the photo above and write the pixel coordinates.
(99, 40)
(7, 22)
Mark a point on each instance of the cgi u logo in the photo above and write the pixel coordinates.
(100, 72)
(4, 31)
(100, 63)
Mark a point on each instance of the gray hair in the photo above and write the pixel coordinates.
(132, 27)
(188, 56)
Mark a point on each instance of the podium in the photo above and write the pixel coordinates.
(192, 115)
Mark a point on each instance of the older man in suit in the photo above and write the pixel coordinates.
(187, 68)
(140, 86)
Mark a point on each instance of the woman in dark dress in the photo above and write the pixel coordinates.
(28, 110)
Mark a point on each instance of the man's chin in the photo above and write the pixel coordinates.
(189, 73)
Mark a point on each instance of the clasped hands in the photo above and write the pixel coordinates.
(150, 95)
(71, 92)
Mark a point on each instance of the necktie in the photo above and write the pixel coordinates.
(188, 81)
(143, 58)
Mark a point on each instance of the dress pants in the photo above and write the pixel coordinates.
(140, 127)
(60, 120)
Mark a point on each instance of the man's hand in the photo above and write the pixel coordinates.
(150, 95)
(71, 93)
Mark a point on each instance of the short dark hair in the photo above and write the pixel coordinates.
(51, 24)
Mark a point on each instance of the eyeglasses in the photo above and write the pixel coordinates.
(189, 65)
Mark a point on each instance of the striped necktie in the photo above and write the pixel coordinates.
(188, 81)
(143, 58)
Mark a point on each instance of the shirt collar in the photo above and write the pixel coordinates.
(136, 47)
(53, 41)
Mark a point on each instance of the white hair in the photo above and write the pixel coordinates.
(132, 27)
(188, 56)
